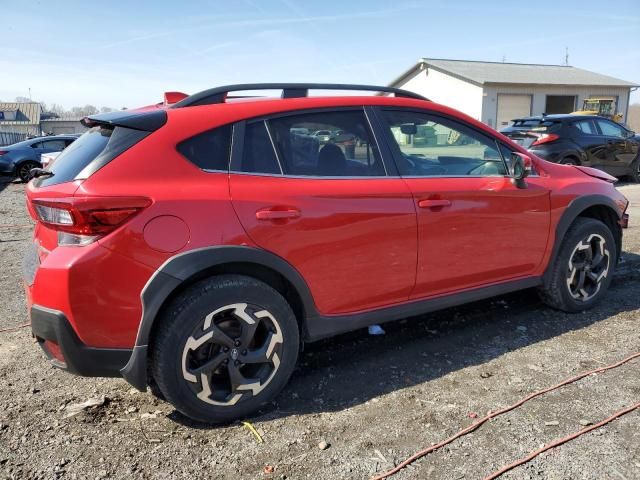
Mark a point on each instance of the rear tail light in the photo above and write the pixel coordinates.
(82, 220)
(545, 138)
(2, 152)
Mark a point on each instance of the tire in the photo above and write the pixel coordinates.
(570, 160)
(23, 169)
(224, 347)
(583, 269)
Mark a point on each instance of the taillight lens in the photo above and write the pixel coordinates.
(80, 221)
(546, 138)
(2, 152)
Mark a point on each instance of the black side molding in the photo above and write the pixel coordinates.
(146, 120)
(327, 326)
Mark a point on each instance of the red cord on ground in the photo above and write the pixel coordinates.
(483, 420)
(15, 328)
(560, 441)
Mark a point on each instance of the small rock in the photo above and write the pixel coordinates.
(268, 469)
(521, 328)
(323, 445)
(585, 423)
(553, 423)
(486, 374)
(132, 409)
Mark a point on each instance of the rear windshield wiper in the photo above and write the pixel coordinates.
(40, 172)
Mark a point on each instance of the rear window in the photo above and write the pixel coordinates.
(92, 151)
(209, 150)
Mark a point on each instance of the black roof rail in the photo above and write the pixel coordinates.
(289, 90)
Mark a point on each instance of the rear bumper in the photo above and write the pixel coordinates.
(66, 351)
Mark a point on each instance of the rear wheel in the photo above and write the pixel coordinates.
(225, 347)
(23, 170)
(583, 269)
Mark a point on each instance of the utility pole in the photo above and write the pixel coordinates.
(566, 56)
(29, 93)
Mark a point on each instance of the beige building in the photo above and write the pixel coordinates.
(496, 93)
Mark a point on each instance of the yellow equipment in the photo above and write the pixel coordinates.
(605, 107)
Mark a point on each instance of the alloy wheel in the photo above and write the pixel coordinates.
(233, 355)
(588, 267)
(25, 170)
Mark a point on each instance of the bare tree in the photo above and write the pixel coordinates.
(23, 100)
(84, 111)
(106, 109)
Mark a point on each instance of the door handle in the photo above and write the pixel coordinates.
(434, 203)
(277, 214)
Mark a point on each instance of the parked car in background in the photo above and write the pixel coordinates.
(18, 159)
(323, 136)
(588, 140)
(47, 159)
(204, 277)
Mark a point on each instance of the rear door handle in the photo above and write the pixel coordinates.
(277, 214)
(434, 203)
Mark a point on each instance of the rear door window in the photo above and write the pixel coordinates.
(341, 144)
(258, 154)
(89, 153)
(587, 127)
(55, 145)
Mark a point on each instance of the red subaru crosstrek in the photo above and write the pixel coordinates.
(194, 245)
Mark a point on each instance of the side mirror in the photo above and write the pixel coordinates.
(520, 165)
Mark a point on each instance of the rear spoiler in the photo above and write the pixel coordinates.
(145, 120)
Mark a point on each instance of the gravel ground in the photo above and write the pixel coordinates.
(372, 400)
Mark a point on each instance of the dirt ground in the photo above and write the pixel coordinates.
(373, 400)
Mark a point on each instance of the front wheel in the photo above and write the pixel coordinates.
(225, 347)
(583, 269)
(23, 172)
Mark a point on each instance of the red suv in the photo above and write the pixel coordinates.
(193, 246)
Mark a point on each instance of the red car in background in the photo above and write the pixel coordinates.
(194, 245)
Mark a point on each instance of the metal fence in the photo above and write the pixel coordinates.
(8, 138)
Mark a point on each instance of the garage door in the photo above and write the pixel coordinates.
(512, 106)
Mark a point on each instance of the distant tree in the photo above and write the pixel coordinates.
(106, 109)
(22, 100)
(84, 111)
(57, 108)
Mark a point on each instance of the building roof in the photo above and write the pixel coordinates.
(27, 113)
(482, 73)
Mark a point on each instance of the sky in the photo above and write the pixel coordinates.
(127, 53)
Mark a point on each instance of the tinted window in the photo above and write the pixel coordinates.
(258, 155)
(209, 150)
(586, 127)
(345, 149)
(36, 145)
(89, 153)
(610, 129)
(434, 146)
(56, 145)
